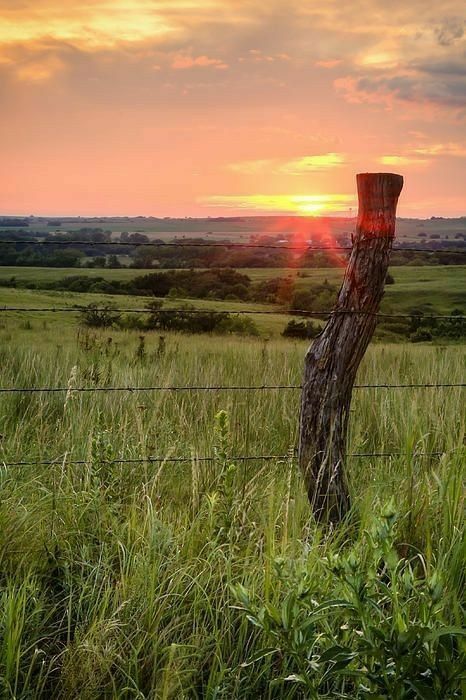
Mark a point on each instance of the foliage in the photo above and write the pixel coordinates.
(381, 632)
(102, 316)
(300, 329)
(317, 297)
(188, 319)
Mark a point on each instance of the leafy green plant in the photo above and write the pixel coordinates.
(381, 632)
(224, 499)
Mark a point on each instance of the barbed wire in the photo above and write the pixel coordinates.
(219, 387)
(290, 312)
(223, 244)
(211, 458)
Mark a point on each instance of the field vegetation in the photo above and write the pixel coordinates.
(158, 543)
(209, 579)
(419, 292)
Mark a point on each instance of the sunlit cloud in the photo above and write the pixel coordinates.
(379, 59)
(457, 150)
(423, 156)
(307, 164)
(104, 24)
(283, 203)
(183, 62)
(403, 160)
(331, 63)
(295, 166)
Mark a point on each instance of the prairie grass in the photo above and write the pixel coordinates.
(116, 579)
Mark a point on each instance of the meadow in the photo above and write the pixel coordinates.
(207, 578)
(436, 289)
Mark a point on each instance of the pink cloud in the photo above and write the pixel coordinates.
(184, 62)
(332, 63)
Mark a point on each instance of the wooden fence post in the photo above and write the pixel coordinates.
(334, 357)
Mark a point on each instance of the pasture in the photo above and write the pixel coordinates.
(434, 289)
(123, 570)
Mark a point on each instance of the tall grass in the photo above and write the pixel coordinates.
(116, 579)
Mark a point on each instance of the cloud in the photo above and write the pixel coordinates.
(403, 160)
(283, 203)
(457, 150)
(424, 155)
(295, 166)
(315, 163)
(450, 31)
(331, 63)
(447, 91)
(184, 61)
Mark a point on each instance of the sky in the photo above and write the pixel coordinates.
(227, 107)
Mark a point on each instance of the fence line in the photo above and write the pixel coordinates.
(291, 312)
(221, 244)
(211, 458)
(219, 387)
(264, 387)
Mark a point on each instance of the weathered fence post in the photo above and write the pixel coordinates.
(333, 358)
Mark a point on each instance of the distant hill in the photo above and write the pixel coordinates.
(244, 228)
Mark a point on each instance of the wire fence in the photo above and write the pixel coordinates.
(454, 318)
(220, 387)
(292, 455)
(224, 244)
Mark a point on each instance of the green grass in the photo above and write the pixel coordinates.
(436, 289)
(115, 579)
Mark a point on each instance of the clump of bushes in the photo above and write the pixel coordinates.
(95, 316)
(422, 327)
(186, 319)
(319, 297)
(300, 329)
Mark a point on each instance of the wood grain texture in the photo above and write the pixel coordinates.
(332, 360)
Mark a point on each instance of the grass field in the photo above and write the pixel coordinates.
(436, 289)
(152, 578)
(118, 579)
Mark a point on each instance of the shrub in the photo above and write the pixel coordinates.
(421, 335)
(182, 319)
(238, 325)
(300, 329)
(380, 632)
(99, 317)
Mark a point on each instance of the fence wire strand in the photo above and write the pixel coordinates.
(218, 387)
(286, 312)
(211, 458)
(223, 244)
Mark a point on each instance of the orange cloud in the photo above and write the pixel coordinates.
(295, 166)
(332, 63)
(403, 160)
(183, 62)
(283, 203)
(457, 150)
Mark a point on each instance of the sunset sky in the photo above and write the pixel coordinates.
(220, 107)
